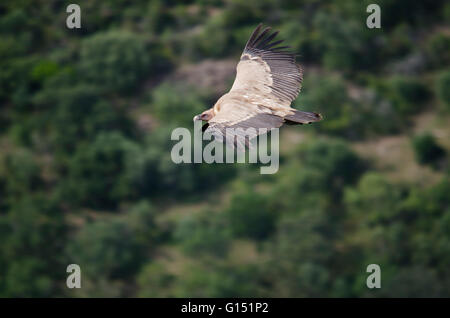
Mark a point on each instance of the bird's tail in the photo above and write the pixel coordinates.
(299, 117)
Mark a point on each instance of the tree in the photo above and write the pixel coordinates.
(301, 258)
(115, 60)
(375, 198)
(426, 149)
(443, 88)
(203, 234)
(106, 249)
(218, 281)
(407, 94)
(21, 175)
(33, 235)
(98, 173)
(336, 162)
(155, 280)
(177, 104)
(75, 113)
(251, 216)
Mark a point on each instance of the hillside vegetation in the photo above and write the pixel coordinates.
(86, 175)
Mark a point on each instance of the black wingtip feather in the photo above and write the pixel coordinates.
(286, 74)
(269, 45)
(254, 35)
(263, 40)
(261, 37)
(269, 38)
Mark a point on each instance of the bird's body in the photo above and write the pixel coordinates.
(267, 81)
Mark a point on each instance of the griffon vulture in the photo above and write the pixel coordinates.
(267, 81)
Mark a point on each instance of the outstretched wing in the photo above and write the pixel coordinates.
(267, 69)
(266, 83)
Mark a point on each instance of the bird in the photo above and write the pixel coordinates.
(267, 81)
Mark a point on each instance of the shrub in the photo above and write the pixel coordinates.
(438, 50)
(220, 281)
(365, 112)
(338, 164)
(98, 173)
(218, 45)
(203, 234)
(178, 104)
(154, 173)
(118, 60)
(329, 97)
(155, 280)
(342, 42)
(33, 234)
(443, 88)
(300, 255)
(106, 248)
(251, 216)
(77, 113)
(141, 219)
(374, 197)
(20, 174)
(407, 94)
(426, 149)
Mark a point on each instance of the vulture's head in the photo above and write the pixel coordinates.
(206, 115)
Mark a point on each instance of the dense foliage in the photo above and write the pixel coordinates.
(86, 175)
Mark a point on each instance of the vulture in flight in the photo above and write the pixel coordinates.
(267, 81)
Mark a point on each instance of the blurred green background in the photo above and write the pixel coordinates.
(86, 176)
